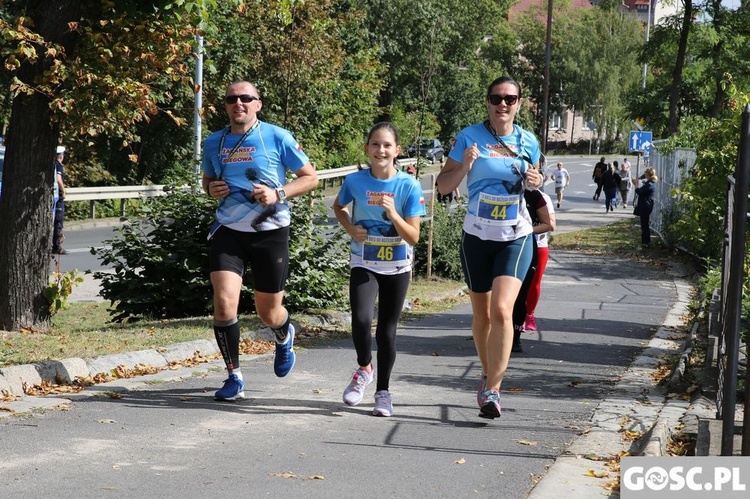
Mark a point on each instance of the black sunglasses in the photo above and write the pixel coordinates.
(244, 98)
(495, 99)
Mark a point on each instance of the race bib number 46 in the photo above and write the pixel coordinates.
(384, 252)
(497, 210)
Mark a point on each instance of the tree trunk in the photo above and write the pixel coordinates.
(674, 93)
(26, 201)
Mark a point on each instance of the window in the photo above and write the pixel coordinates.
(588, 124)
(556, 122)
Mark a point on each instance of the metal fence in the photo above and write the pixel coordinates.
(730, 308)
(671, 168)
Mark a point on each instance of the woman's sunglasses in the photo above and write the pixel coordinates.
(495, 99)
(244, 98)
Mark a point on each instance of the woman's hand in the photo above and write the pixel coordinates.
(386, 202)
(470, 155)
(533, 178)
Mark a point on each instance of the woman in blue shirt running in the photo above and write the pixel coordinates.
(498, 158)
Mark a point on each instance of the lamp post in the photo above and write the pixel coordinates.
(648, 30)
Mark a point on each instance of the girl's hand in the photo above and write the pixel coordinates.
(389, 206)
(358, 233)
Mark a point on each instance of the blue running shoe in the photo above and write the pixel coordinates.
(284, 360)
(232, 389)
(490, 405)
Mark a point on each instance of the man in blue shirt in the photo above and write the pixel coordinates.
(244, 168)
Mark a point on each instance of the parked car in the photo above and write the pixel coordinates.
(430, 149)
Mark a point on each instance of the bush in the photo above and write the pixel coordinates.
(446, 243)
(160, 261)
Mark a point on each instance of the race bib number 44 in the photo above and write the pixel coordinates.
(497, 210)
(384, 252)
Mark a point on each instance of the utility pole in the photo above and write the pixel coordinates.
(547, 59)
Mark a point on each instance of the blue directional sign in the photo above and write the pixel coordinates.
(640, 141)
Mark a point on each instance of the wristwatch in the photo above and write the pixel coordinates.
(282, 194)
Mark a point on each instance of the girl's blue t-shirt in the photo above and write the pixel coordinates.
(384, 252)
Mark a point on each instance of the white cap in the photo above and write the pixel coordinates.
(60, 149)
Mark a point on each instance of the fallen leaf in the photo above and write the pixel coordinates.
(435, 354)
(286, 474)
(460, 461)
(107, 421)
(597, 474)
(526, 442)
(317, 390)
(316, 477)
(514, 389)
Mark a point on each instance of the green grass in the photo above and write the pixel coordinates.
(84, 329)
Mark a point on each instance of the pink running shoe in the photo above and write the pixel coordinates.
(530, 324)
(482, 387)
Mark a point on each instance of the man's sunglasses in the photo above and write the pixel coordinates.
(495, 99)
(244, 98)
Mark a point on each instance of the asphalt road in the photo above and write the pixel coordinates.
(293, 437)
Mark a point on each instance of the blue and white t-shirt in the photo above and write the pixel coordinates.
(496, 210)
(384, 251)
(263, 158)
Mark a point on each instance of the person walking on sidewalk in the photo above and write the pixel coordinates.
(496, 157)
(625, 182)
(244, 168)
(599, 170)
(645, 203)
(542, 217)
(542, 232)
(383, 223)
(562, 180)
(610, 181)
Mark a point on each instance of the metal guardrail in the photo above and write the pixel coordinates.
(125, 192)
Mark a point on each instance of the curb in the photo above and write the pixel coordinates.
(636, 404)
(13, 378)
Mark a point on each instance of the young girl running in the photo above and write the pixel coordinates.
(383, 223)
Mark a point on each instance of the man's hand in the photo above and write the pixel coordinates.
(264, 195)
(218, 189)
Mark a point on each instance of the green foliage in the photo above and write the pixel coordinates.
(60, 287)
(161, 261)
(446, 243)
(701, 197)
(318, 258)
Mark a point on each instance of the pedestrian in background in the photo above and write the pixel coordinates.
(58, 217)
(496, 157)
(625, 182)
(610, 182)
(244, 168)
(562, 180)
(383, 223)
(645, 203)
(599, 170)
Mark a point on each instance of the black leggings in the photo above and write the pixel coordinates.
(364, 285)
